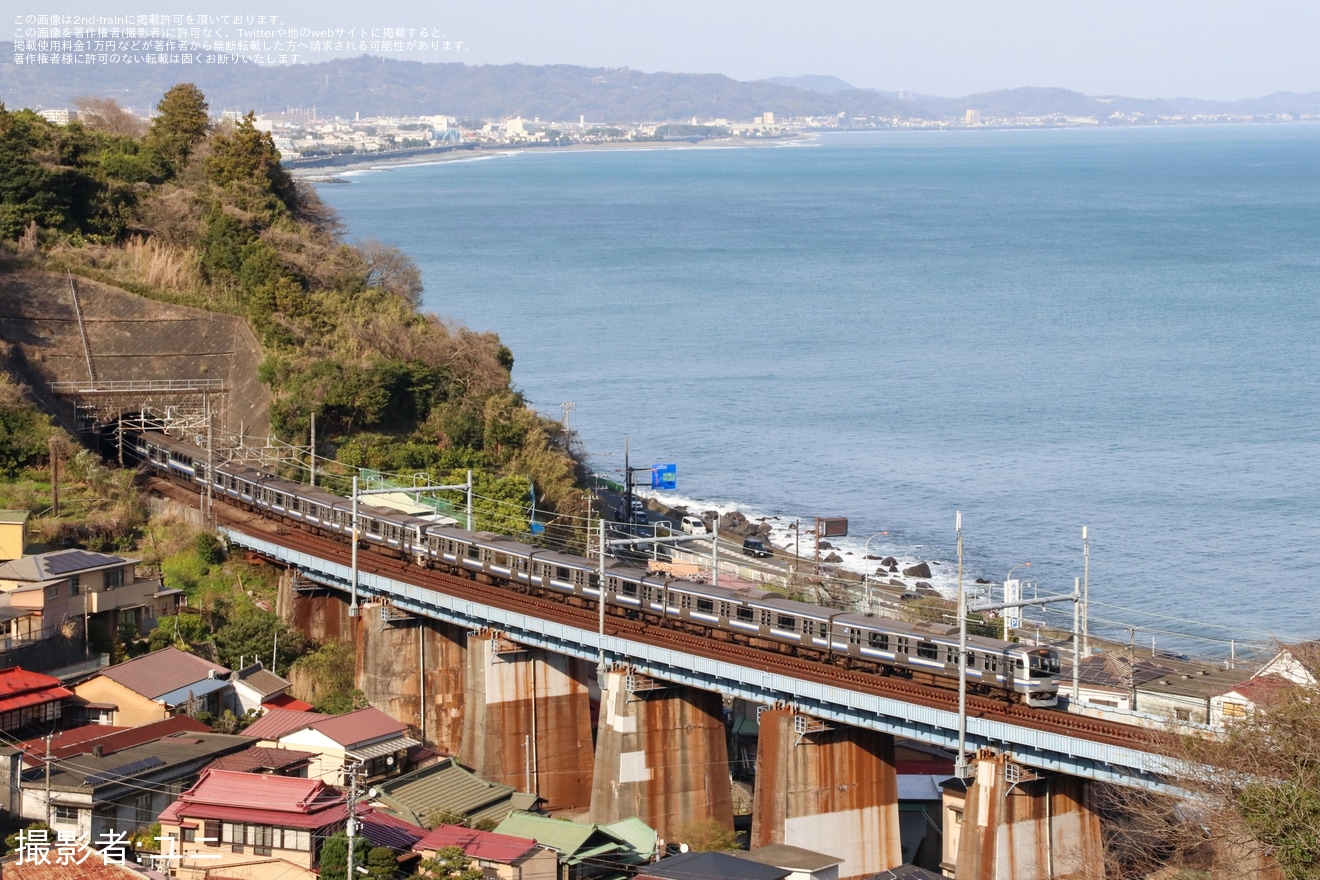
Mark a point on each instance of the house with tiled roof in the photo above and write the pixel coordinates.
(157, 685)
(448, 787)
(1242, 700)
(74, 862)
(39, 593)
(366, 736)
(711, 866)
(240, 825)
(255, 687)
(110, 786)
(499, 856)
(31, 702)
(261, 759)
(99, 739)
(802, 864)
(583, 851)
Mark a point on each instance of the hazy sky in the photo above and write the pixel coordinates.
(1141, 48)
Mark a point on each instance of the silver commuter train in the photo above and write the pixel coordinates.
(747, 616)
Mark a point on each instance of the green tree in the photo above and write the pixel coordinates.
(24, 435)
(378, 862)
(254, 635)
(449, 863)
(244, 161)
(179, 631)
(706, 835)
(181, 123)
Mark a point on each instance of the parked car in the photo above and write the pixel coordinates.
(755, 547)
(694, 525)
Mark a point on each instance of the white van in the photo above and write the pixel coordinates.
(694, 525)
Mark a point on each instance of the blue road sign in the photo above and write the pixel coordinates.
(664, 476)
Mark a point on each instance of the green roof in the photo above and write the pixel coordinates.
(628, 842)
(448, 785)
(14, 516)
(639, 836)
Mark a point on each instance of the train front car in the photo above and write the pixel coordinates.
(1036, 675)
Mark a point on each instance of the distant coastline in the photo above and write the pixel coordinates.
(330, 173)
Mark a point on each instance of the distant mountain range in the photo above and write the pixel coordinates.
(372, 86)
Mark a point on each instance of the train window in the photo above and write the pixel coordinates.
(1017, 663)
(684, 600)
(783, 621)
(629, 588)
(1044, 666)
(928, 650)
(705, 605)
(765, 617)
(991, 663)
(744, 613)
(501, 559)
(295, 504)
(823, 628)
(474, 551)
(561, 572)
(971, 659)
(878, 640)
(901, 644)
(951, 655)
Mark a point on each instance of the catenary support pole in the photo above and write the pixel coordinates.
(960, 766)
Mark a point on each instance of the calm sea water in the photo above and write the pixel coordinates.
(1115, 328)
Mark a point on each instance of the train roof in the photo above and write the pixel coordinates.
(792, 606)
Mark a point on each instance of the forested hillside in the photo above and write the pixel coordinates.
(206, 216)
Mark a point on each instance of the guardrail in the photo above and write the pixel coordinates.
(122, 386)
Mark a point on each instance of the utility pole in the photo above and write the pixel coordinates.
(54, 476)
(50, 809)
(311, 450)
(350, 827)
(1086, 593)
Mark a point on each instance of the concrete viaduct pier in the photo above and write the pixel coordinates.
(511, 694)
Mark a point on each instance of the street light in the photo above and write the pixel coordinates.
(866, 555)
(1007, 578)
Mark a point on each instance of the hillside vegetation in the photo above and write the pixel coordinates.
(206, 216)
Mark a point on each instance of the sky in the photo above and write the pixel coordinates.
(1217, 49)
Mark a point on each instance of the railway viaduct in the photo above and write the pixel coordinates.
(509, 686)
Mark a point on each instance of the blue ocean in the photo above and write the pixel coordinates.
(1044, 330)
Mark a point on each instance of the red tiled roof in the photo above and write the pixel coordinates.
(93, 867)
(1263, 688)
(162, 671)
(382, 829)
(259, 758)
(363, 725)
(20, 688)
(284, 701)
(278, 722)
(260, 799)
(111, 739)
(16, 680)
(485, 845)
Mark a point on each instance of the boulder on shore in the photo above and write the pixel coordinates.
(920, 570)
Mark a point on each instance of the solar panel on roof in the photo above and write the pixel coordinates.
(123, 770)
(76, 560)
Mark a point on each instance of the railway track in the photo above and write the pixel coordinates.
(1046, 720)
